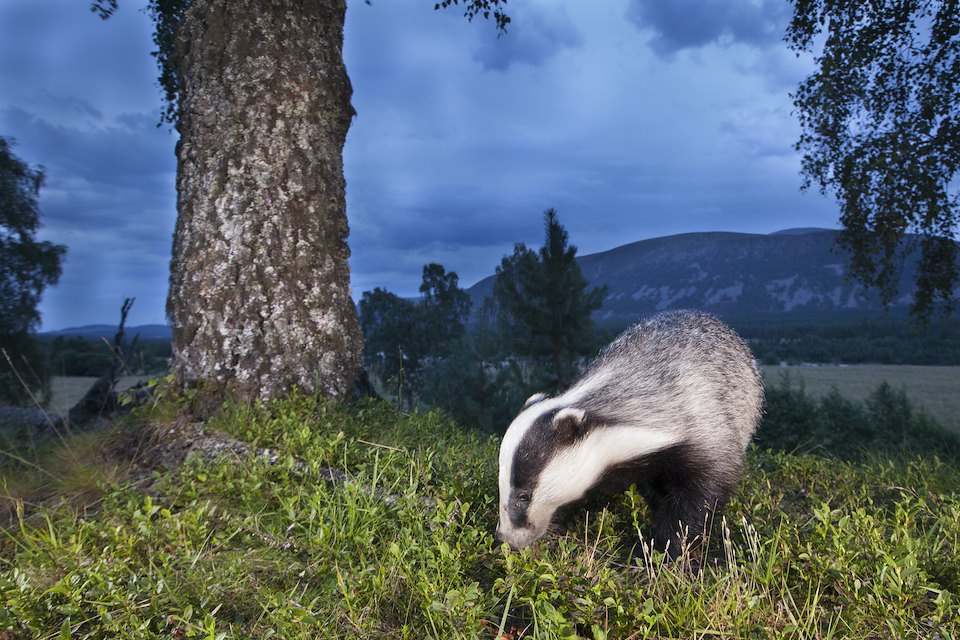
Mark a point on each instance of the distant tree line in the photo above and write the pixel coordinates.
(532, 335)
(78, 356)
(875, 342)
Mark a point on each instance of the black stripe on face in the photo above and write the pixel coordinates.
(533, 453)
(546, 435)
(518, 506)
(543, 439)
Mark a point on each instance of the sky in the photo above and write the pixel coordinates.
(632, 118)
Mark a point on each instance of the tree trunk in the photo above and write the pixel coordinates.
(259, 286)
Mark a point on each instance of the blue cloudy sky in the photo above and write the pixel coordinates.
(633, 118)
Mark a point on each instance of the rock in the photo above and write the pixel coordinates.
(29, 419)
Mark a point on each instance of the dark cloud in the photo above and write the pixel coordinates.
(130, 149)
(534, 36)
(445, 226)
(446, 162)
(690, 24)
(78, 96)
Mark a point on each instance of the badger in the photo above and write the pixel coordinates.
(670, 405)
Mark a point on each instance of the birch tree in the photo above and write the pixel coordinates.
(259, 282)
(880, 123)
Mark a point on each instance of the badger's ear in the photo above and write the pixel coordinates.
(534, 399)
(570, 422)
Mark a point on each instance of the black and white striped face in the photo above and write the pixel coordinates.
(528, 502)
(551, 455)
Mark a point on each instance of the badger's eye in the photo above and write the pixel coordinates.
(523, 497)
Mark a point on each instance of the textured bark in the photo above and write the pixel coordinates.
(260, 286)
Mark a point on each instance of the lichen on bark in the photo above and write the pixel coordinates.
(260, 286)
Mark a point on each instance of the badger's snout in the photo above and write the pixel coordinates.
(502, 537)
(517, 537)
(514, 546)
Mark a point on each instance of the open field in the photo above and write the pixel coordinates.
(67, 390)
(935, 389)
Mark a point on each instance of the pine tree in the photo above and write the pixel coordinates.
(545, 306)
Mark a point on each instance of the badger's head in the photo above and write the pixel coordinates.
(541, 468)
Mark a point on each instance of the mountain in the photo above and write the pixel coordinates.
(98, 331)
(736, 275)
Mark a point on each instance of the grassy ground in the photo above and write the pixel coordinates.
(934, 389)
(261, 546)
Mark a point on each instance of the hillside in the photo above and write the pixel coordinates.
(736, 275)
(107, 331)
(794, 272)
(304, 520)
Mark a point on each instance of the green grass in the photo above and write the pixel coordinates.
(239, 548)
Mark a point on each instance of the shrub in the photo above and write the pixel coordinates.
(835, 426)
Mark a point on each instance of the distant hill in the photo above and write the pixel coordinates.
(737, 275)
(794, 273)
(97, 331)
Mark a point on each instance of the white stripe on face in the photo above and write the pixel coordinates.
(508, 449)
(522, 423)
(575, 470)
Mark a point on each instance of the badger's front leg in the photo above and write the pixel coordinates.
(680, 516)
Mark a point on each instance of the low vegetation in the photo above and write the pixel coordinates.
(832, 424)
(400, 546)
(829, 339)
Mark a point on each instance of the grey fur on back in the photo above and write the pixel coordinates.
(682, 371)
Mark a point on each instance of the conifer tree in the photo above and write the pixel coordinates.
(545, 306)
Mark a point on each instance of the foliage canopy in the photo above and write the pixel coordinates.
(880, 124)
(27, 266)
